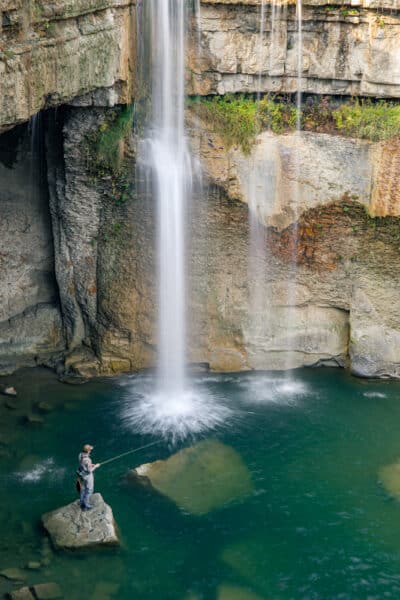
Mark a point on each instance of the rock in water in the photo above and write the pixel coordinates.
(9, 391)
(198, 479)
(389, 476)
(230, 592)
(13, 574)
(47, 591)
(22, 594)
(71, 528)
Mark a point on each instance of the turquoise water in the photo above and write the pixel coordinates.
(317, 525)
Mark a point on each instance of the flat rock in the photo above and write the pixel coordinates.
(71, 528)
(22, 594)
(34, 419)
(230, 592)
(198, 479)
(45, 406)
(13, 574)
(33, 565)
(9, 391)
(389, 476)
(47, 591)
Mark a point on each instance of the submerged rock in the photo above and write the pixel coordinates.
(22, 594)
(198, 479)
(47, 591)
(33, 565)
(42, 591)
(389, 476)
(105, 590)
(71, 528)
(230, 592)
(13, 574)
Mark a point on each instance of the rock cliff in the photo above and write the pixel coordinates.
(347, 48)
(77, 239)
(53, 52)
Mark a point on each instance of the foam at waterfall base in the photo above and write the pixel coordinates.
(270, 388)
(175, 416)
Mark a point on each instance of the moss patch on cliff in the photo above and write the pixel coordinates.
(105, 152)
(238, 119)
(106, 145)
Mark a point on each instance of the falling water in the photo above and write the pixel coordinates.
(291, 291)
(175, 409)
(262, 189)
(257, 198)
(171, 178)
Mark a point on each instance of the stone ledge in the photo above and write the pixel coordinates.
(64, 52)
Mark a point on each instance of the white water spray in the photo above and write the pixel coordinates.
(174, 410)
(171, 176)
(291, 289)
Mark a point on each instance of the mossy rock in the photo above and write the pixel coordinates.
(389, 477)
(198, 479)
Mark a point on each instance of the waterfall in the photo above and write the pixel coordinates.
(169, 168)
(291, 287)
(173, 408)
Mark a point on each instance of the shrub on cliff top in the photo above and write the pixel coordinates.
(238, 119)
(368, 120)
(233, 118)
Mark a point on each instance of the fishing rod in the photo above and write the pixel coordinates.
(129, 452)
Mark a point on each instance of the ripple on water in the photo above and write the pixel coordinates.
(45, 468)
(374, 395)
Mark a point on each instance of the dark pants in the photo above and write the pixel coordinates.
(86, 492)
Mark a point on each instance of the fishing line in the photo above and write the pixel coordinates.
(130, 452)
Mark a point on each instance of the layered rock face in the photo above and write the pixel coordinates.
(53, 52)
(30, 319)
(318, 285)
(351, 49)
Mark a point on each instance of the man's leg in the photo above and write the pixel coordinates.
(85, 496)
(82, 494)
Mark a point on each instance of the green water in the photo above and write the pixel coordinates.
(317, 526)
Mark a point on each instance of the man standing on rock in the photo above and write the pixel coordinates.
(86, 477)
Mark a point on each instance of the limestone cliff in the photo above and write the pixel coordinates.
(348, 48)
(77, 240)
(53, 52)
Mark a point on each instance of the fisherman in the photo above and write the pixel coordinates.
(86, 477)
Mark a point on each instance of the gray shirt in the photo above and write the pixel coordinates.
(86, 469)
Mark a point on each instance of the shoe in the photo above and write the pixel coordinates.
(87, 507)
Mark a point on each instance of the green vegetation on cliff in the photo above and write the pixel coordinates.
(368, 120)
(104, 151)
(238, 119)
(107, 144)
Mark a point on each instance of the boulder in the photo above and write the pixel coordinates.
(71, 528)
(47, 591)
(13, 574)
(42, 591)
(230, 592)
(33, 565)
(198, 479)
(9, 391)
(389, 477)
(22, 594)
